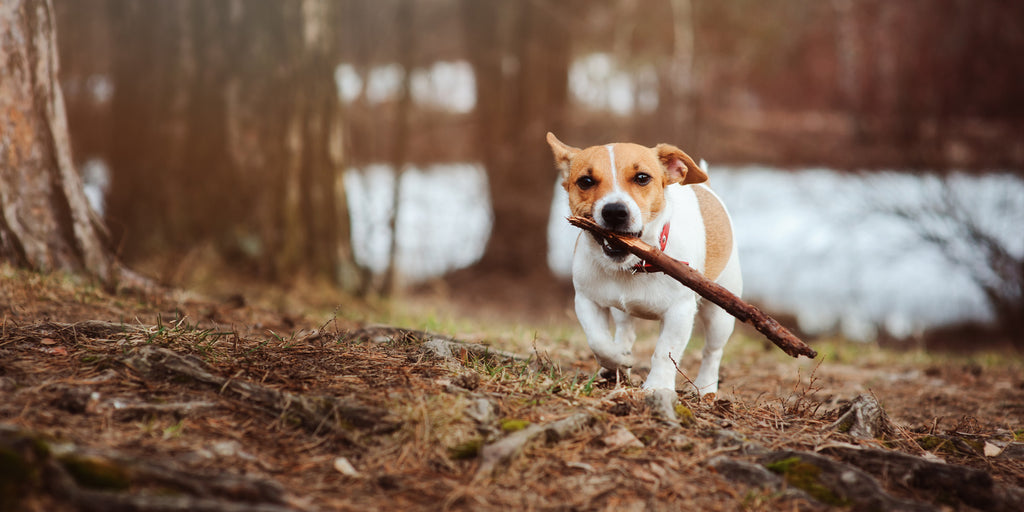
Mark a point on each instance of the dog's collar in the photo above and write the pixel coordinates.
(643, 266)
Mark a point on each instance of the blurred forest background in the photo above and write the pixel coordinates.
(239, 134)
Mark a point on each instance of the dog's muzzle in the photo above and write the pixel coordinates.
(615, 217)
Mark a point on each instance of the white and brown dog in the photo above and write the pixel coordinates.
(659, 195)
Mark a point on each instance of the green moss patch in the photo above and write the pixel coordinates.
(806, 477)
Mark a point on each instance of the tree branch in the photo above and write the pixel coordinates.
(706, 288)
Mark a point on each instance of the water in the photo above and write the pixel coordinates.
(443, 223)
(838, 251)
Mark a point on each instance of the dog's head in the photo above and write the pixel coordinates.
(621, 186)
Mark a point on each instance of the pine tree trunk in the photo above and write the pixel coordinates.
(46, 222)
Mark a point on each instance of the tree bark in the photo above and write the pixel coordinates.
(706, 288)
(46, 222)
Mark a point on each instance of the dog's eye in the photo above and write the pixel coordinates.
(585, 182)
(642, 179)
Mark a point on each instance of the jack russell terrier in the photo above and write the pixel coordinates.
(659, 195)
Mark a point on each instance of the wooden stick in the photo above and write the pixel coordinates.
(708, 289)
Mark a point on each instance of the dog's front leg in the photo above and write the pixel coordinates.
(625, 335)
(676, 328)
(594, 320)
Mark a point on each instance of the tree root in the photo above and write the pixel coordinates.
(437, 345)
(848, 475)
(949, 481)
(105, 481)
(864, 418)
(316, 414)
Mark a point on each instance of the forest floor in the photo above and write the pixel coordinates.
(171, 402)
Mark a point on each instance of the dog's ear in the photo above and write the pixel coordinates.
(563, 155)
(680, 168)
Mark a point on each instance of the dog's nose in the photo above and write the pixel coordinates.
(615, 215)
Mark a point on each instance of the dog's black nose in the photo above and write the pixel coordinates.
(615, 215)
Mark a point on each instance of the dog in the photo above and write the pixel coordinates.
(660, 195)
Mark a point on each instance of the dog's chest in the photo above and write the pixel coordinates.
(641, 294)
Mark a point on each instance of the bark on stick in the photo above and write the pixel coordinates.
(706, 288)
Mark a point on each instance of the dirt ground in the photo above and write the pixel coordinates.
(126, 402)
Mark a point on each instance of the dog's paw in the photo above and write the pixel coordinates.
(706, 388)
(621, 361)
(653, 384)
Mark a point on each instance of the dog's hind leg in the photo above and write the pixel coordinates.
(718, 326)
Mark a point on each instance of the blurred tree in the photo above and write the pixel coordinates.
(225, 129)
(400, 147)
(520, 53)
(46, 222)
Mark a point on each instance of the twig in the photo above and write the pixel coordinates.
(708, 289)
(507, 447)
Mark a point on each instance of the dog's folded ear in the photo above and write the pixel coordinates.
(563, 155)
(680, 168)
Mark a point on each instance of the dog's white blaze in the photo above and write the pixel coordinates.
(619, 195)
(611, 159)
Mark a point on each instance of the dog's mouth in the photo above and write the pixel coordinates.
(613, 250)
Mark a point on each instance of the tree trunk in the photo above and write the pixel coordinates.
(400, 147)
(513, 113)
(46, 222)
(227, 132)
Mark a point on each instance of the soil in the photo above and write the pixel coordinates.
(171, 402)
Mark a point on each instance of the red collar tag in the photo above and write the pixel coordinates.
(645, 267)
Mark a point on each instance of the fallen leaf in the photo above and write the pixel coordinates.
(48, 341)
(57, 351)
(992, 450)
(343, 466)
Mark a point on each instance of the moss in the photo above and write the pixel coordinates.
(845, 426)
(685, 415)
(976, 444)
(466, 450)
(1018, 435)
(513, 425)
(15, 476)
(95, 473)
(936, 444)
(807, 477)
